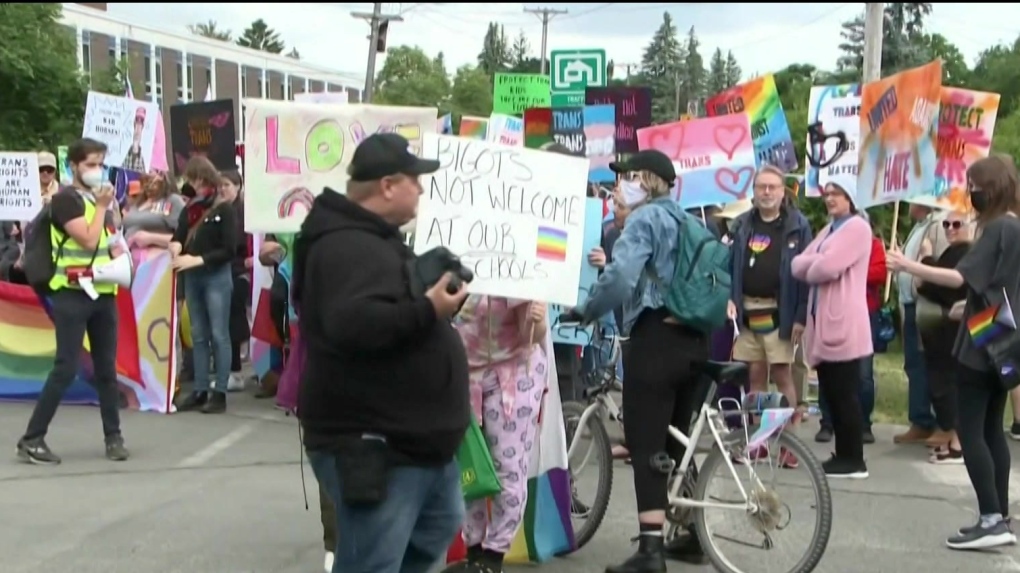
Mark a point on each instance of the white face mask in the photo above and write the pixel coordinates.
(92, 178)
(632, 193)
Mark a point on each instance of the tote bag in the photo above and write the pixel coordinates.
(477, 472)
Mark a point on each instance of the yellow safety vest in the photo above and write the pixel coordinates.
(72, 254)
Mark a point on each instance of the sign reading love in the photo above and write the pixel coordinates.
(713, 157)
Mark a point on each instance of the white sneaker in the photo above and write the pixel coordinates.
(235, 383)
(328, 565)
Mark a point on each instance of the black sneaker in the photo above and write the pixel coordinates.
(972, 528)
(836, 468)
(1014, 431)
(36, 452)
(216, 404)
(686, 548)
(192, 401)
(115, 450)
(868, 437)
(981, 537)
(824, 435)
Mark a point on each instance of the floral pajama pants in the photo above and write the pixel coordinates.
(511, 440)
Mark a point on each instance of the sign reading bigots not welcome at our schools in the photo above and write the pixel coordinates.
(515, 216)
(206, 129)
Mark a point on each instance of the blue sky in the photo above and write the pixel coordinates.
(765, 37)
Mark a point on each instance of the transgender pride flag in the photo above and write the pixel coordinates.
(547, 530)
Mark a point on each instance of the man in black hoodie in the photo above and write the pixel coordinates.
(384, 392)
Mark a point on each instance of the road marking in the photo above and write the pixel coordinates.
(202, 457)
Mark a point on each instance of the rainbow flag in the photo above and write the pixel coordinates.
(552, 244)
(762, 323)
(986, 326)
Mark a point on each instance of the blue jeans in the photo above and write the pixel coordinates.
(918, 399)
(207, 293)
(866, 392)
(409, 532)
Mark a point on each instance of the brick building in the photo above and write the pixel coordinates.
(173, 67)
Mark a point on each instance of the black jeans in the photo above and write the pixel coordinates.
(659, 392)
(74, 315)
(982, 403)
(839, 384)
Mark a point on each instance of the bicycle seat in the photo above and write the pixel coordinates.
(721, 372)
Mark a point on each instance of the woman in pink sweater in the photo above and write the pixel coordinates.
(838, 331)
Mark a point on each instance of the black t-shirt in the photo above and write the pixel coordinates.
(212, 237)
(764, 253)
(68, 204)
(990, 269)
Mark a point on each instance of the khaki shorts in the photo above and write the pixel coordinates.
(753, 347)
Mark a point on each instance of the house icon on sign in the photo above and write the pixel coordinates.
(576, 72)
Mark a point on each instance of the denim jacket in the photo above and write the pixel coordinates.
(793, 294)
(649, 239)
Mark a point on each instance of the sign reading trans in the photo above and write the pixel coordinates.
(572, 72)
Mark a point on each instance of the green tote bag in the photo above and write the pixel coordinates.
(477, 473)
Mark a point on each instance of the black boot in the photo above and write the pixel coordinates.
(474, 553)
(217, 403)
(648, 559)
(686, 548)
(490, 562)
(192, 401)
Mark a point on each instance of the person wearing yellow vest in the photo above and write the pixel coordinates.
(81, 239)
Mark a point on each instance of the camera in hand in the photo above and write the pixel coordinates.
(429, 268)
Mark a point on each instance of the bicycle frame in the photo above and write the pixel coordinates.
(707, 417)
(602, 403)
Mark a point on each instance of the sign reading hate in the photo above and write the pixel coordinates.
(294, 150)
(20, 195)
(514, 216)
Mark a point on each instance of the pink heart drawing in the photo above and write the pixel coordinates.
(734, 182)
(668, 140)
(729, 137)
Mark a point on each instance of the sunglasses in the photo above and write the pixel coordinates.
(47, 170)
(956, 225)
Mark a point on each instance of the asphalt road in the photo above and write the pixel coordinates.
(224, 494)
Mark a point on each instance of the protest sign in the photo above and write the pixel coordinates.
(713, 157)
(505, 130)
(966, 122)
(759, 100)
(474, 127)
(568, 129)
(444, 124)
(589, 274)
(514, 93)
(899, 124)
(126, 126)
(338, 98)
(537, 127)
(600, 141)
(633, 112)
(515, 216)
(296, 149)
(206, 129)
(20, 193)
(837, 109)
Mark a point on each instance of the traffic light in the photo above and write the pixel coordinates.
(380, 42)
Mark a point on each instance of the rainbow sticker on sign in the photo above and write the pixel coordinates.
(552, 244)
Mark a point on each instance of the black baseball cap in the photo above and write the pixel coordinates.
(385, 154)
(648, 160)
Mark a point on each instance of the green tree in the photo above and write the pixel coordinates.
(410, 77)
(661, 66)
(954, 66)
(43, 101)
(259, 36)
(471, 93)
(902, 39)
(497, 52)
(211, 30)
(998, 70)
(520, 51)
(716, 80)
(733, 72)
(293, 53)
(114, 79)
(693, 79)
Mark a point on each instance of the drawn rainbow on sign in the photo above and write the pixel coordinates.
(552, 244)
(474, 127)
(287, 207)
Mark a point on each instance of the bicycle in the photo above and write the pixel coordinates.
(598, 383)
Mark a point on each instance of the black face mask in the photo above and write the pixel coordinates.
(187, 190)
(979, 200)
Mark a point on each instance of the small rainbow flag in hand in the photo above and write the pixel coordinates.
(984, 327)
(552, 244)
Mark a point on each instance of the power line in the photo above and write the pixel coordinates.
(379, 22)
(546, 14)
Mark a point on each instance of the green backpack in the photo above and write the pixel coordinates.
(700, 290)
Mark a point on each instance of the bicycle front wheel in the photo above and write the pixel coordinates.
(774, 523)
(593, 451)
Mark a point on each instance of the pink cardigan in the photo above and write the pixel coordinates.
(835, 265)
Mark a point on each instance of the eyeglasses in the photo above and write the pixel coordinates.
(49, 170)
(767, 188)
(956, 225)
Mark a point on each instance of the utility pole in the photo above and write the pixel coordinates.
(545, 14)
(626, 66)
(874, 27)
(378, 22)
